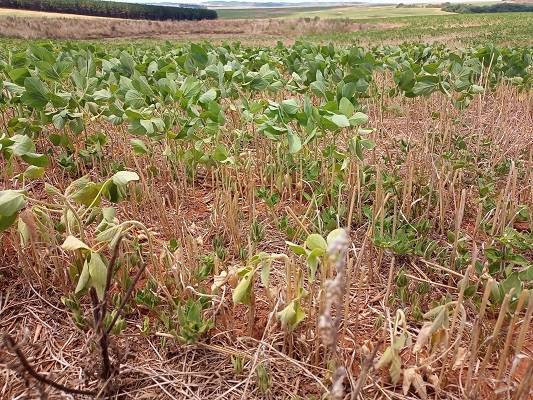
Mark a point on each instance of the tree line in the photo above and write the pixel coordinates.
(112, 9)
(489, 8)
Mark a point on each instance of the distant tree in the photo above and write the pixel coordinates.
(112, 9)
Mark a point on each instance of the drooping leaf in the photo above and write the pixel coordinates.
(84, 278)
(11, 201)
(72, 243)
(122, 178)
(98, 274)
(295, 143)
(315, 241)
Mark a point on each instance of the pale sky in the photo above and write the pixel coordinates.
(296, 1)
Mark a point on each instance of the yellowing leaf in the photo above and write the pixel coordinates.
(292, 314)
(84, 278)
(423, 337)
(72, 243)
(420, 386)
(395, 368)
(460, 359)
(315, 241)
(385, 359)
(408, 377)
(242, 293)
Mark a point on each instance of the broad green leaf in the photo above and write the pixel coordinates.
(312, 264)
(6, 221)
(340, 120)
(385, 359)
(22, 144)
(265, 273)
(199, 55)
(208, 96)
(358, 119)
(134, 99)
(11, 201)
(108, 235)
(346, 107)
(87, 194)
(37, 160)
(512, 282)
(290, 106)
(36, 95)
(139, 146)
(33, 172)
(334, 234)
(295, 143)
(426, 85)
(292, 314)
(102, 94)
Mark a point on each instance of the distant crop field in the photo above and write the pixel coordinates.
(8, 12)
(329, 12)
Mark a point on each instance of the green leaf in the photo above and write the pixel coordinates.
(512, 281)
(346, 107)
(199, 55)
(426, 85)
(312, 264)
(6, 221)
(36, 95)
(295, 143)
(98, 274)
(385, 359)
(526, 275)
(134, 99)
(290, 106)
(208, 96)
(33, 172)
(292, 315)
(109, 234)
(340, 120)
(334, 234)
(395, 368)
(11, 201)
(139, 147)
(102, 94)
(87, 194)
(296, 249)
(358, 118)
(37, 160)
(22, 144)
(265, 273)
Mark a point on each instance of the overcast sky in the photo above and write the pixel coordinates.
(294, 1)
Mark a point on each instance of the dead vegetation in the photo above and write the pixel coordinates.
(98, 28)
(226, 365)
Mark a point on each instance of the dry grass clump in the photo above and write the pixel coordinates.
(70, 28)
